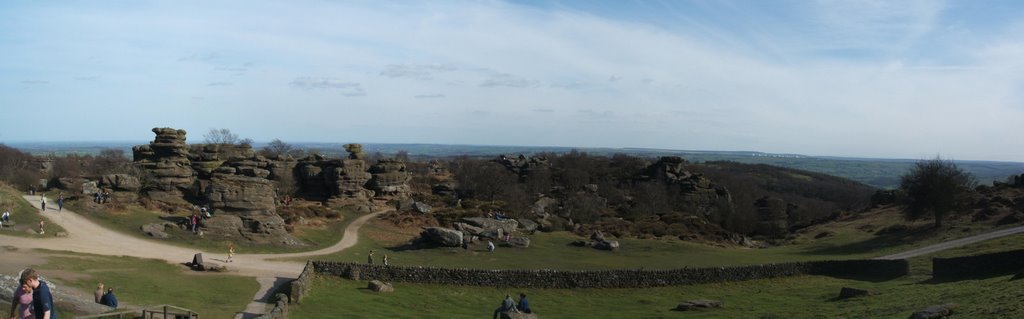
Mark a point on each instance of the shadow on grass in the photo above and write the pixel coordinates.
(880, 241)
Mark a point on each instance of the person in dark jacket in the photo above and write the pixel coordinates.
(524, 305)
(42, 300)
(109, 299)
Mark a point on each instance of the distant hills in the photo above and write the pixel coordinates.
(881, 173)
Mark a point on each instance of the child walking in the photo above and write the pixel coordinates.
(231, 251)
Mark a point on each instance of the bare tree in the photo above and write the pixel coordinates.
(221, 136)
(277, 147)
(937, 186)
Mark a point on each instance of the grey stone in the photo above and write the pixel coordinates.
(506, 225)
(698, 304)
(517, 315)
(519, 242)
(155, 230)
(422, 208)
(380, 286)
(443, 236)
(528, 225)
(848, 292)
(934, 312)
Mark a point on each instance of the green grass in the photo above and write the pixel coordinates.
(129, 220)
(24, 215)
(793, 297)
(148, 282)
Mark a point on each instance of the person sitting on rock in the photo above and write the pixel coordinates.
(524, 305)
(507, 305)
(109, 299)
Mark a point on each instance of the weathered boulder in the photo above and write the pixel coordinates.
(155, 230)
(422, 207)
(472, 230)
(165, 161)
(611, 245)
(120, 183)
(698, 304)
(506, 225)
(380, 286)
(527, 225)
(848, 292)
(934, 312)
(442, 236)
(700, 196)
(389, 178)
(543, 205)
(519, 242)
(518, 315)
(493, 233)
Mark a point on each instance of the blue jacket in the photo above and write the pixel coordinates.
(42, 301)
(109, 300)
(524, 305)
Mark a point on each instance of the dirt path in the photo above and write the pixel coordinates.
(88, 237)
(954, 243)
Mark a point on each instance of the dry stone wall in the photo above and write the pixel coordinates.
(639, 278)
(978, 265)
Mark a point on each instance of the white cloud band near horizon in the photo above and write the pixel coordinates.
(900, 79)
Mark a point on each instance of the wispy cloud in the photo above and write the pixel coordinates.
(347, 88)
(429, 96)
(508, 80)
(416, 71)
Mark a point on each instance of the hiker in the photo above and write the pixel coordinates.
(99, 292)
(22, 302)
(204, 212)
(32, 190)
(490, 246)
(369, 258)
(42, 300)
(42, 202)
(60, 203)
(109, 299)
(507, 305)
(231, 251)
(41, 224)
(195, 223)
(6, 217)
(385, 260)
(524, 305)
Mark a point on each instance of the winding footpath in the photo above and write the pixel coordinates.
(270, 272)
(954, 243)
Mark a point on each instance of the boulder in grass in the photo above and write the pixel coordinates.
(698, 304)
(380, 286)
(934, 312)
(848, 292)
(519, 242)
(443, 236)
(518, 315)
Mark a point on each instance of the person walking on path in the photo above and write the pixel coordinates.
(41, 224)
(42, 300)
(231, 251)
(42, 201)
(369, 257)
(60, 202)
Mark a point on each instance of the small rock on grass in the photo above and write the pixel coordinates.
(698, 304)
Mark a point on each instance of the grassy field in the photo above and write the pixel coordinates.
(146, 282)
(24, 215)
(129, 219)
(793, 297)
(848, 239)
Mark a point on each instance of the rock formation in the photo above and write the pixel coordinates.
(389, 178)
(772, 217)
(703, 197)
(165, 163)
(242, 199)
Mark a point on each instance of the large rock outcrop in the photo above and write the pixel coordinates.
(702, 197)
(166, 165)
(389, 178)
(341, 180)
(242, 199)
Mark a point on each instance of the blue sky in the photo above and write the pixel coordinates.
(896, 79)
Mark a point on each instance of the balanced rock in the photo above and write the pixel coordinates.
(380, 286)
(698, 304)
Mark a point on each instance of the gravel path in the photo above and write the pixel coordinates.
(87, 237)
(954, 243)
